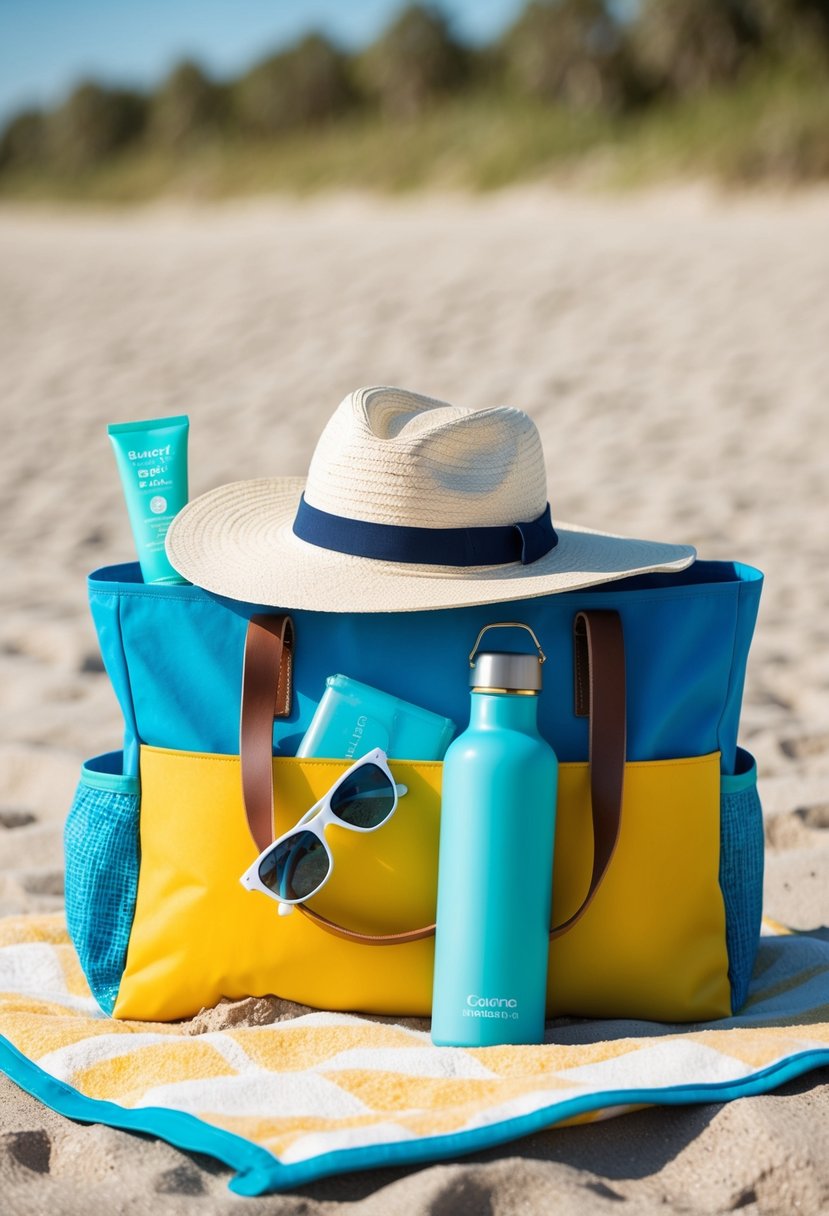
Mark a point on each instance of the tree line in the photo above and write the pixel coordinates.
(583, 55)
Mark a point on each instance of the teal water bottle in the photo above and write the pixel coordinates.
(495, 868)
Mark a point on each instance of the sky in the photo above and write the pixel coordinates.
(46, 46)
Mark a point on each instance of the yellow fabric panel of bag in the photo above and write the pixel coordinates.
(652, 945)
(198, 935)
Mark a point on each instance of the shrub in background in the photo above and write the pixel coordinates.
(416, 61)
(749, 78)
(570, 51)
(305, 85)
(23, 144)
(685, 47)
(786, 146)
(787, 27)
(186, 107)
(92, 123)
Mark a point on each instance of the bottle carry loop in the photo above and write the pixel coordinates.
(542, 658)
(599, 676)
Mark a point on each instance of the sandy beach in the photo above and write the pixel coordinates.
(673, 350)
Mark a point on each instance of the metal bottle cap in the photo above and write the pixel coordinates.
(506, 671)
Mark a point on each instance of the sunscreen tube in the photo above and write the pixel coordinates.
(152, 461)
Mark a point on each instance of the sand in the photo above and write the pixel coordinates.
(674, 352)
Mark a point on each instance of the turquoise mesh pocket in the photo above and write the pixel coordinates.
(741, 872)
(102, 857)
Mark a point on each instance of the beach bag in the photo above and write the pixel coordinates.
(158, 837)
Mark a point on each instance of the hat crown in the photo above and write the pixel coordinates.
(394, 457)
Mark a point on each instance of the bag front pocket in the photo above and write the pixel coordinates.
(199, 935)
(651, 945)
(102, 862)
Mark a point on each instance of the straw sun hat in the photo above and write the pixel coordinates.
(409, 504)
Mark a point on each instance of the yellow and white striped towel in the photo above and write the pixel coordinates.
(324, 1093)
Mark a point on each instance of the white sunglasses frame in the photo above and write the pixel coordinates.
(315, 820)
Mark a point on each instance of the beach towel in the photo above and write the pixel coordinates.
(316, 1093)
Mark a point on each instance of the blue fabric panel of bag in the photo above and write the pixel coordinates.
(174, 655)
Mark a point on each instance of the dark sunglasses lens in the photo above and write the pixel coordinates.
(365, 798)
(296, 867)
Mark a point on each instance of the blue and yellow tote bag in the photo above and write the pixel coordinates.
(157, 837)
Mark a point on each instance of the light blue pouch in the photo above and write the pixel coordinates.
(352, 718)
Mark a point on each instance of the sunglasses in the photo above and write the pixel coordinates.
(299, 863)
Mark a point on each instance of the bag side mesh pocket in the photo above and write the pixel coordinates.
(741, 872)
(101, 845)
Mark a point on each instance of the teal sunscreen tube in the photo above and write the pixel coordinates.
(152, 461)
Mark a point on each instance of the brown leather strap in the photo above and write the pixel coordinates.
(266, 694)
(600, 692)
(369, 939)
(599, 671)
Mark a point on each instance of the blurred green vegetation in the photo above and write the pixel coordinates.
(736, 90)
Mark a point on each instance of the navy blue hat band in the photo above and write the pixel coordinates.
(491, 546)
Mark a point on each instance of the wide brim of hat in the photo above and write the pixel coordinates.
(237, 541)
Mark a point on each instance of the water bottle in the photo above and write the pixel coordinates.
(495, 867)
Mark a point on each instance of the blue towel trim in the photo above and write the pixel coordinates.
(177, 1127)
(260, 1172)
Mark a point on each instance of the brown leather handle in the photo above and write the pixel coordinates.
(267, 687)
(367, 939)
(600, 694)
(599, 670)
